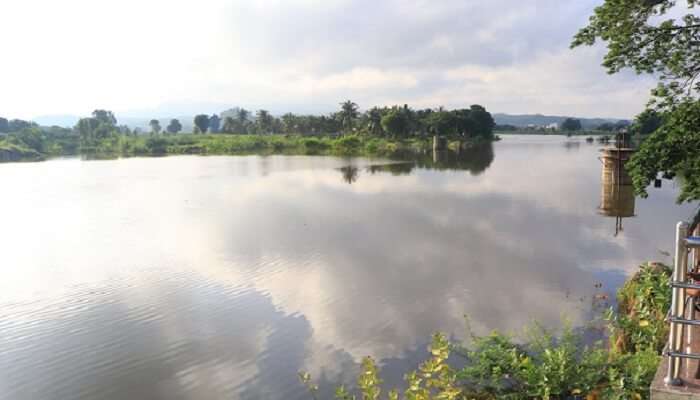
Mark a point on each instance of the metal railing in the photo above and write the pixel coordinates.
(681, 316)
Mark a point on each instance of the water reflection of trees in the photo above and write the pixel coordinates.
(572, 145)
(475, 159)
(350, 174)
(400, 168)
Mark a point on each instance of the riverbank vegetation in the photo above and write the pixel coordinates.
(212, 144)
(546, 366)
(387, 131)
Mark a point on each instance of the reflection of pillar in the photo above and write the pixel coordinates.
(617, 197)
(617, 200)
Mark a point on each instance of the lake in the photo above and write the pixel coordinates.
(222, 277)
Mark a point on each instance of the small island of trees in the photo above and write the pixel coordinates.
(382, 131)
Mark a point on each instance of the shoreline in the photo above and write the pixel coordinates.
(124, 146)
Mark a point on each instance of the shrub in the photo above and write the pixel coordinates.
(643, 302)
(434, 378)
(350, 144)
(313, 145)
(156, 145)
(373, 146)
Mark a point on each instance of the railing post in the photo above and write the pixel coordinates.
(675, 339)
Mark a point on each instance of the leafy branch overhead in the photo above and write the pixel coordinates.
(640, 35)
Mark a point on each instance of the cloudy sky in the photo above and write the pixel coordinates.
(168, 58)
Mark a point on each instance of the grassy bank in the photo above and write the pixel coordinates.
(547, 366)
(266, 144)
(220, 144)
(10, 152)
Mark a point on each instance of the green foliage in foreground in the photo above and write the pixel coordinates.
(643, 302)
(546, 367)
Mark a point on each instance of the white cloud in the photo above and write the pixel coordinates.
(305, 55)
(366, 78)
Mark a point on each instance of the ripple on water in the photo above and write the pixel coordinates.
(90, 339)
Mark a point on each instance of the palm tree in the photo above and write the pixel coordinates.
(229, 125)
(348, 114)
(242, 115)
(289, 123)
(263, 119)
(374, 116)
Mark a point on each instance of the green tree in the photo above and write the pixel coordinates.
(17, 125)
(174, 126)
(31, 137)
(201, 123)
(571, 125)
(374, 121)
(647, 122)
(105, 117)
(214, 123)
(242, 115)
(263, 121)
(395, 123)
(155, 126)
(482, 121)
(94, 129)
(348, 114)
(86, 128)
(441, 122)
(673, 149)
(638, 36)
(4, 125)
(289, 123)
(124, 129)
(229, 125)
(606, 127)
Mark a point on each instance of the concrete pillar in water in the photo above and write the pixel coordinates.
(617, 197)
(439, 143)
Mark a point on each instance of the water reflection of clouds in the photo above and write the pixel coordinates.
(215, 280)
(500, 277)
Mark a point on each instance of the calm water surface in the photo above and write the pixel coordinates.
(221, 277)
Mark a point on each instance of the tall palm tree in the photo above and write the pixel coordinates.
(374, 115)
(242, 115)
(263, 120)
(348, 114)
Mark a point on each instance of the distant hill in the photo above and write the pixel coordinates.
(542, 120)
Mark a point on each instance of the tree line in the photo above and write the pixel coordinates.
(391, 122)
(394, 122)
(645, 123)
